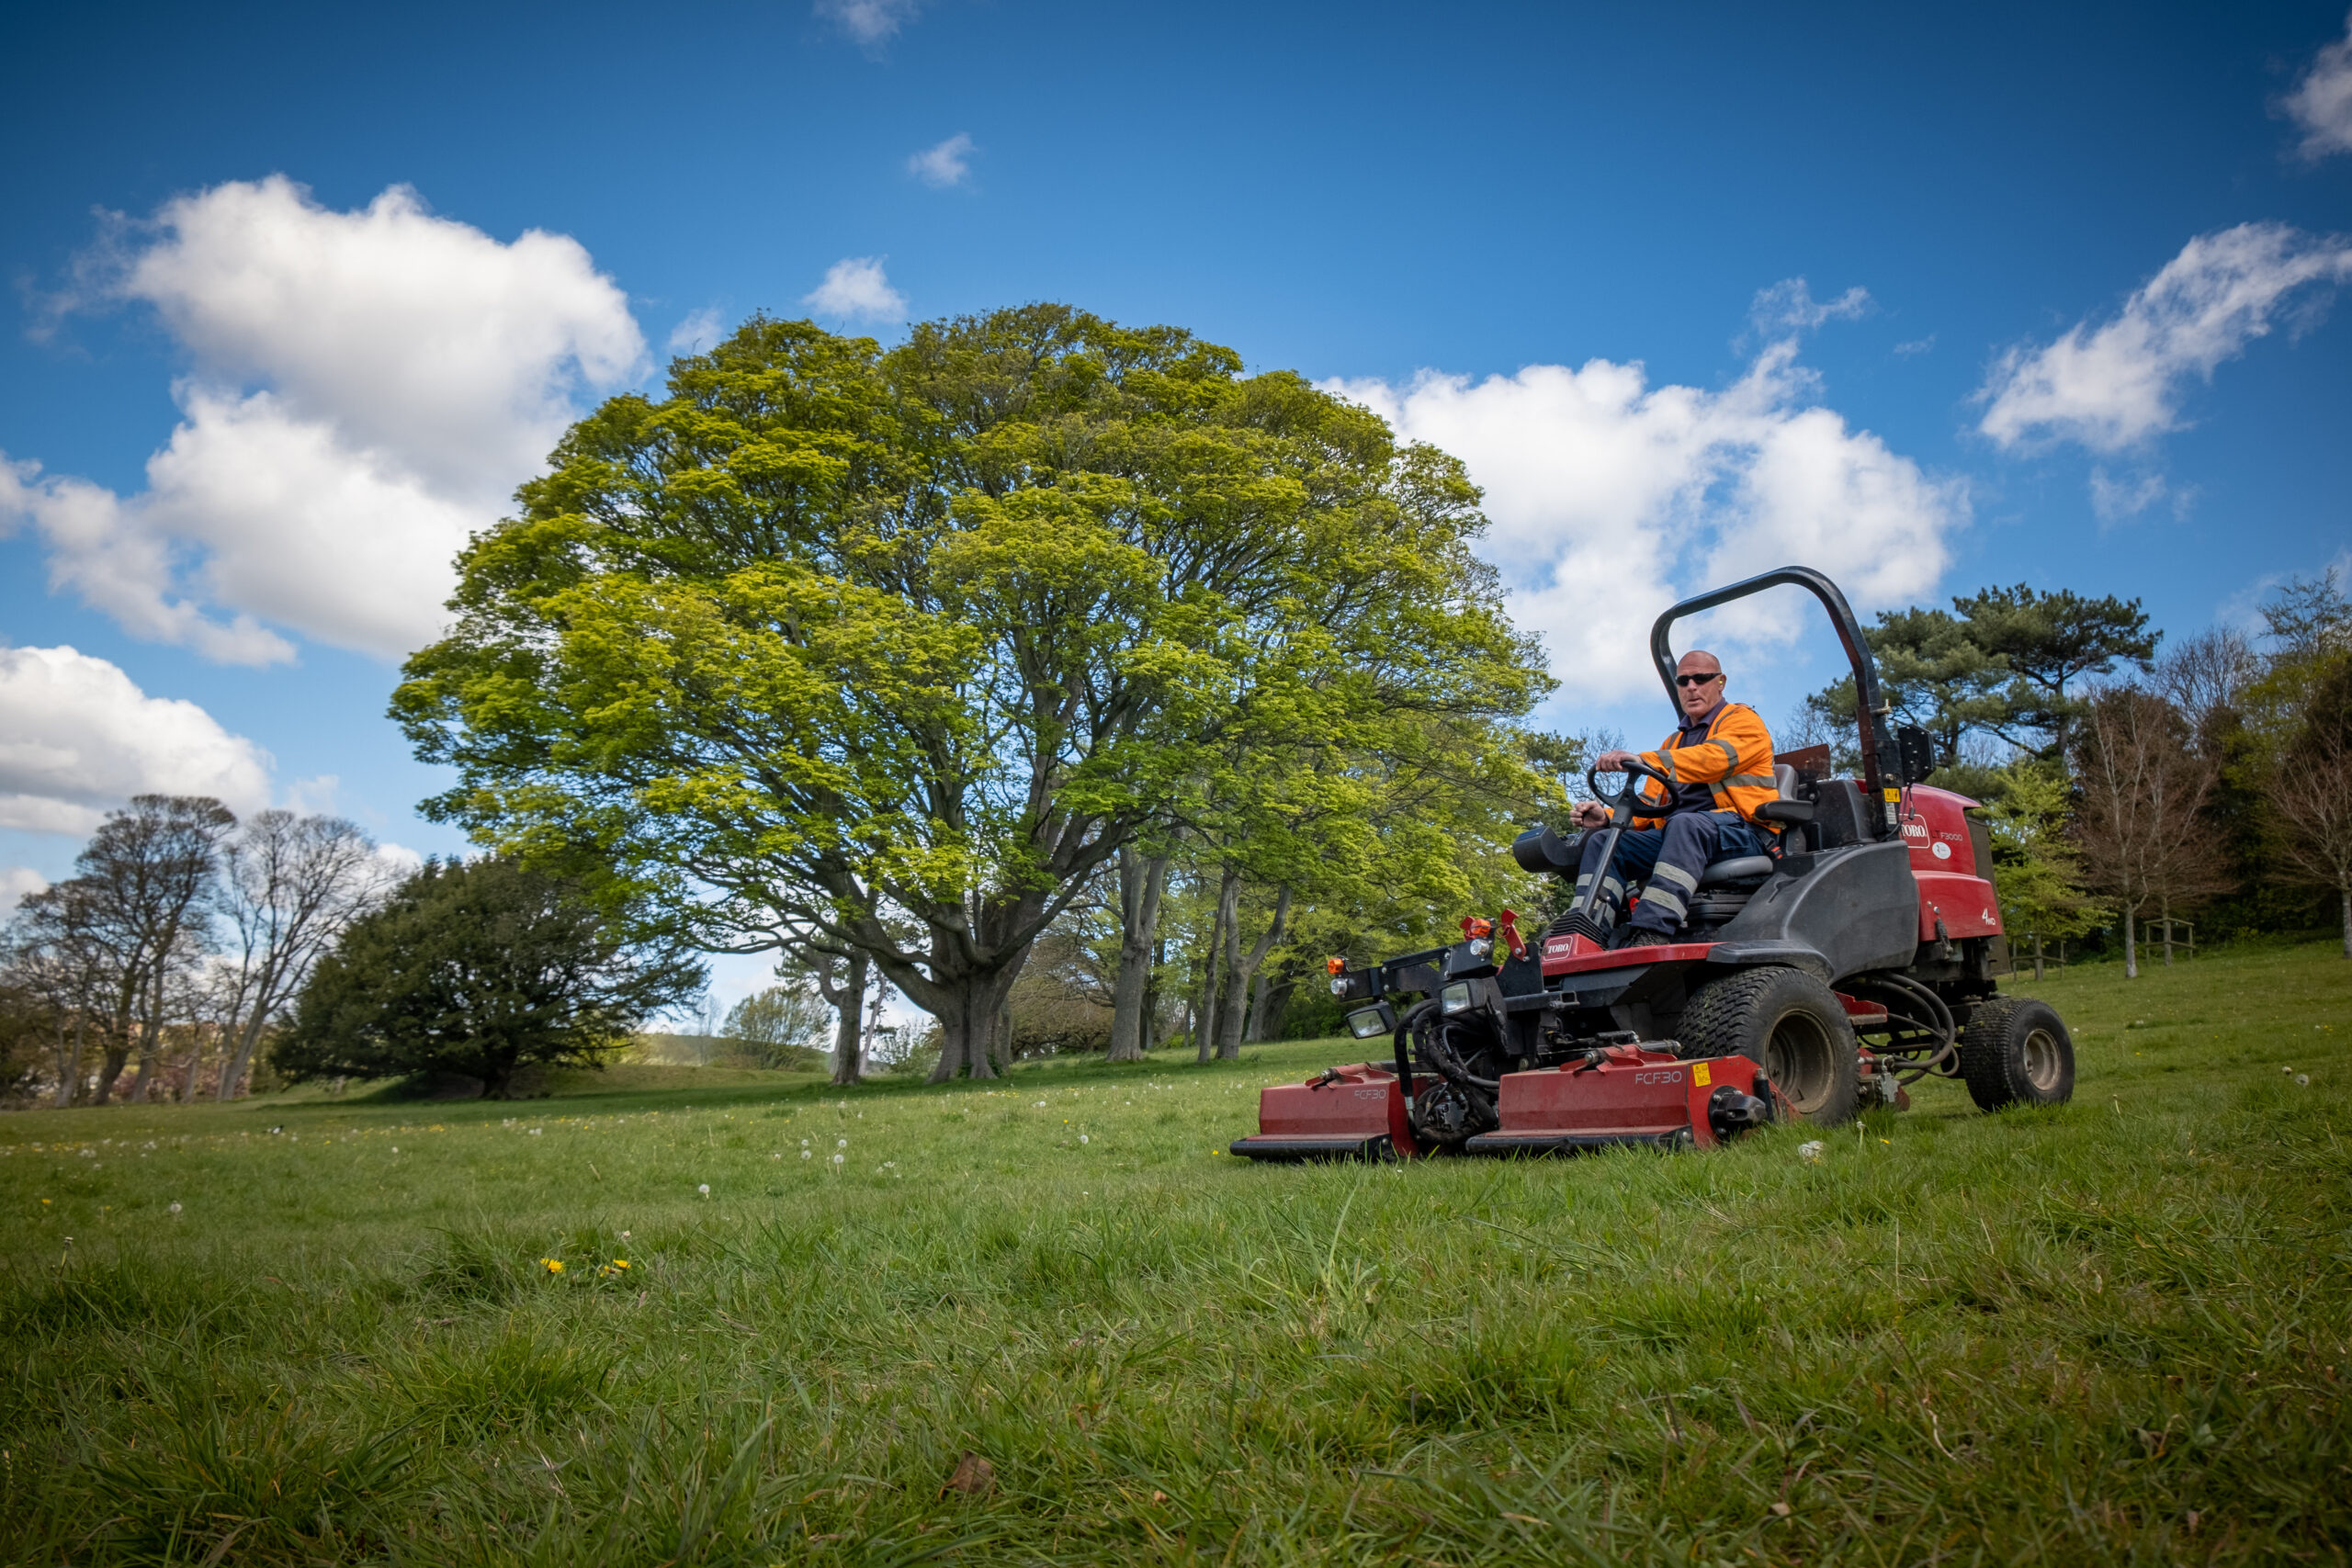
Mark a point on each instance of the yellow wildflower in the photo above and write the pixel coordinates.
(552, 1265)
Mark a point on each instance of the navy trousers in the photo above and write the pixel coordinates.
(1668, 859)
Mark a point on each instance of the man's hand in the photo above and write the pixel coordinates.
(1614, 762)
(1591, 814)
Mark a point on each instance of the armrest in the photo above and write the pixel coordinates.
(1796, 812)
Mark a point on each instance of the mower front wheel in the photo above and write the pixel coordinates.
(2015, 1051)
(1788, 1023)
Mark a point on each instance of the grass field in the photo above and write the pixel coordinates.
(2116, 1332)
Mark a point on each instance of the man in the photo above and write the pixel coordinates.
(1721, 762)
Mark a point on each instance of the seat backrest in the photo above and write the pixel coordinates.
(1784, 778)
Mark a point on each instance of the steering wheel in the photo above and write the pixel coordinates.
(1626, 802)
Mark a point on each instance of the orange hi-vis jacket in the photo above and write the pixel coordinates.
(1734, 762)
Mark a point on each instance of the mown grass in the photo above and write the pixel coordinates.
(2116, 1332)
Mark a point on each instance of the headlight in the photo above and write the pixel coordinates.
(1339, 986)
(1370, 1023)
(1455, 997)
(1482, 947)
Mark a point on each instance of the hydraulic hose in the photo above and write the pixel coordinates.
(1439, 1052)
(1943, 1026)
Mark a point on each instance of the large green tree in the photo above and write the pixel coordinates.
(478, 968)
(831, 644)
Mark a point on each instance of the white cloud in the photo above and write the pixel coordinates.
(1788, 307)
(369, 387)
(948, 163)
(2321, 101)
(2114, 499)
(855, 287)
(77, 737)
(18, 882)
(1610, 497)
(698, 331)
(868, 23)
(2113, 387)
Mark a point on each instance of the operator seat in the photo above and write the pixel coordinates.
(1725, 886)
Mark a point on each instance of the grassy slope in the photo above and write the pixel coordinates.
(2117, 1331)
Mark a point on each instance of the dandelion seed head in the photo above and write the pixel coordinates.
(840, 1143)
(172, 1209)
(808, 1154)
(838, 1159)
(1810, 1152)
(704, 1188)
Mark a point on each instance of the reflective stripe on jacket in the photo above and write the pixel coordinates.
(1734, 762)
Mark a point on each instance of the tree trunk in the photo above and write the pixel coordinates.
(849, 1021)
(2166, 912)
(1205, 1021)
(2346, 893)
(1242, 970)
(1262, 991)
(1142, 880)
(1151, 995)
(69, 1059)
(969, 1012)
(241, 1063)
(2130, 946)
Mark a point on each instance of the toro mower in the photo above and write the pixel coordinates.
(1804, 985)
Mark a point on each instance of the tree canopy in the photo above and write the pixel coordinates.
(477, 968)
(839, 649)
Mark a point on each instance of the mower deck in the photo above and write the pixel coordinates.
(1626, 1095)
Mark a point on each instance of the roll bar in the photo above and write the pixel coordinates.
(1872, 709)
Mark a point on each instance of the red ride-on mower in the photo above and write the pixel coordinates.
(1806, 984)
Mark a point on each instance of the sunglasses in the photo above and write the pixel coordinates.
(1697, 680)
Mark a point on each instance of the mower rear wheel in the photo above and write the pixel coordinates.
(1789, 1024)
(2015, 1051)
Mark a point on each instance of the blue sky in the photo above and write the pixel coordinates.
(2063, 314)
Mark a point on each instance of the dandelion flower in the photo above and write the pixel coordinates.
(840, 1143)
(838, 1159)
(552, 1265)
(1081, 1137)
(804, 1143)
(621, 1262)
(808, 1154)
(172, 1209)
(704, 1188)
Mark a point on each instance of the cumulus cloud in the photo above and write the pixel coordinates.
(1610, 497)
(856, 288)
(2321, 101)
(869, 24)
(2115, 386)
(78, 737)
(948, 163)
(369, 388)
(17, 884)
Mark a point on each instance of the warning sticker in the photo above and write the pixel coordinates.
(1699, 1075)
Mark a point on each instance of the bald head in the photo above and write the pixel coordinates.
(1698, 682)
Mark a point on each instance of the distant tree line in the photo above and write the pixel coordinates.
(174, 950)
